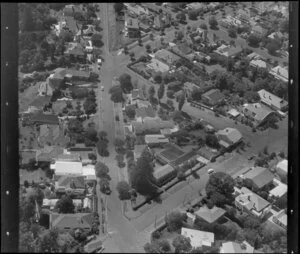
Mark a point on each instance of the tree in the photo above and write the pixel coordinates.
(181, 17)
(118, 7)
(26, 184)
(151, 92)
(182, 244)
(175, 220)
(26, 209)
(272, 47)
(125, 82)
(180, 35)
(116, 94)
(130, 112)
(213, 23)
(97, 40)
(253, 40)
(131, 54)
(124, 190)
(158, 77)
(148, 48)
(65, 204)
(212, 141)
(181, 101)
(102, 170)
(152, 248)
(193, 15)
(26, 240)
(203, 26)
(104, 186)
(232, 32)
(251, 96)
(161, 91)
(170, 94)
(220, 184)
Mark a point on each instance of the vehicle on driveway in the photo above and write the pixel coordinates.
(210, 171)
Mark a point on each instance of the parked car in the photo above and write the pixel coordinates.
(210, 171)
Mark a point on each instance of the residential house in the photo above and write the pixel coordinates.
(44, 118)
(260, 177)
(151, 126)
(145, 27)
(51, 203)
(198, 238)
(185, 158)
(142, 113)
(73, 168)
(89, 173)
(212, 97)
(61, 75)
(137, 94)
(210, 215)
(259, 31)
(282, 167)
(132, 27)
(158, 66)
(258, 64)
(279, 190)
(276, 36)
(229, 137)
(93, 247)
(82, 221)
(196, 6)
(233, 247)
(155, 140)
(248, 201)
(45, 89)
(75, 50)
(257, 114)
(38, 104)
(166, 56)
(71, 10)
(281, 219)
(228, 51)
(272, 100)
(164, 174)
(189, 88)
(136, 9)
(254, 56)
(206, 155)
(233, 113)
(280, 73)
(244, 16)
(171, 153)
(162, 20)
(70, 184)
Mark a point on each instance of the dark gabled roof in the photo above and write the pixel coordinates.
(71, 182)
(210, 215)
(183, 158)
(260, 176)
(40, 117)
(214, 94)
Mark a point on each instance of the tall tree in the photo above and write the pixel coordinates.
(161, 91)
(65, 204)
(125, 82)
(181, 101)
(123, 189)
(151, 92)
(175, 220)
(182, 244)
(102, 170)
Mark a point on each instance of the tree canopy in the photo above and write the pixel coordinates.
(116, 94)
(182, 244)
(123, 189)
(125, 82)
(65, 204)
(175, 220)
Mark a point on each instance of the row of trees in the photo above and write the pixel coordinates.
(102, 173)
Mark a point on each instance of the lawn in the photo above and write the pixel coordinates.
(28, 96)
(139, 66)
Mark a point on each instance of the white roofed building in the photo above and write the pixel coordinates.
(198, 238)
(280, 73)
(272, 100)
(282, 167)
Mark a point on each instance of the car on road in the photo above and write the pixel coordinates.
(102, 88)
(210, 171)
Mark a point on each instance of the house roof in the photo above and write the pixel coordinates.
(171, 152)
(71, 182)
(279, 190)
(156, 139)
(206, 152)
(250, 200)
(280, 73)
(48, 153)
(184, 48)
(271, 99)
(68, 157)
(283, 165)
(137, 94)
(228, 51)
(281, 216)
(256, 111)
(233, 247)
(167, 56)
(258, 63)
(75, 48)
(68, 167)
(40, 117)
(40, 101)
(254, 56)
(151, 124)
(145, 112)
(163, 171)
(72, 221)
(157, 65)
(198, 238)
(132, 23)
(60, 73)
(183, 158)
(89, 172)
(233, 112)
(260, 176)
(232, 134)
(210, 215)
(190, 86)
(214, 94)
